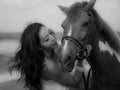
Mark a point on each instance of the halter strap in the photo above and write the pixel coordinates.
(80, 45)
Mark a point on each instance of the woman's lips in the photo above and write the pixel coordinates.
(55, 45)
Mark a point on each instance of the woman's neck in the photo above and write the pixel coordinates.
(49, 53)
(57, 52)
(53, 54)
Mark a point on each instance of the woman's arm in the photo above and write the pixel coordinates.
(53, 72)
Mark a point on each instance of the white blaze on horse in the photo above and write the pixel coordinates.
(105, 47)
(82, 27)
(66, 42)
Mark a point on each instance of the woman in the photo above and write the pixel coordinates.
(37, 59)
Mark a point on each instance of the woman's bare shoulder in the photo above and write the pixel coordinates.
(52, 69)
(50, 64)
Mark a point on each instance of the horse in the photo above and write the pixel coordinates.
(84, 26)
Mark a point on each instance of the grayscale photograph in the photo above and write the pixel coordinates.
(59, 45)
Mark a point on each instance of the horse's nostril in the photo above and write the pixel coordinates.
(69, 64)
(67, 59)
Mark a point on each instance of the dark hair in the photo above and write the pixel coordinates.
(29, 59)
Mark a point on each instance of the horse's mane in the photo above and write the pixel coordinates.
(108, 34)
(104, 29)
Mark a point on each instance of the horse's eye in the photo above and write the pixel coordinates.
(85, 24)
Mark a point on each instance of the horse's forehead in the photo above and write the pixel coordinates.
(83, 16)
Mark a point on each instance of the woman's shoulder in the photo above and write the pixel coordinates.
(52, 69)
(51, 66)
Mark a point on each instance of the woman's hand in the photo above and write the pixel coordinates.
(79, 66)
(80, 63)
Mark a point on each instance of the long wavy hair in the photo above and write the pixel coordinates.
(29, 58)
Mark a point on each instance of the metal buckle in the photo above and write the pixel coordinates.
(82, 53)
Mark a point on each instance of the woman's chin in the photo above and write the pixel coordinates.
(55, 46)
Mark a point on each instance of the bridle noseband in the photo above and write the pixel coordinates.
(82, 51)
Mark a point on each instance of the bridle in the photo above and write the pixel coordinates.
(82, 52)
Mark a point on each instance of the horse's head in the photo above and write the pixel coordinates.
(76, 30)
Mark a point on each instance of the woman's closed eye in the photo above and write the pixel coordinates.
(47, 39)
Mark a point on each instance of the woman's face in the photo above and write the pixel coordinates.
(47, 38)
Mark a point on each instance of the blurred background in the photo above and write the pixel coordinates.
(16, 14)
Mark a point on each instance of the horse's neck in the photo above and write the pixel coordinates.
(106, 32)
(101, 47)
(111, 37)
(104, 58)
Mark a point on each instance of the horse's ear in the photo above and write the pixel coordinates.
(90, 4)
(62, 8)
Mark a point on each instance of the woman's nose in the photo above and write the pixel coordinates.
(52, 38)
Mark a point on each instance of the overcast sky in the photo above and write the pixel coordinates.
(16, 14)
